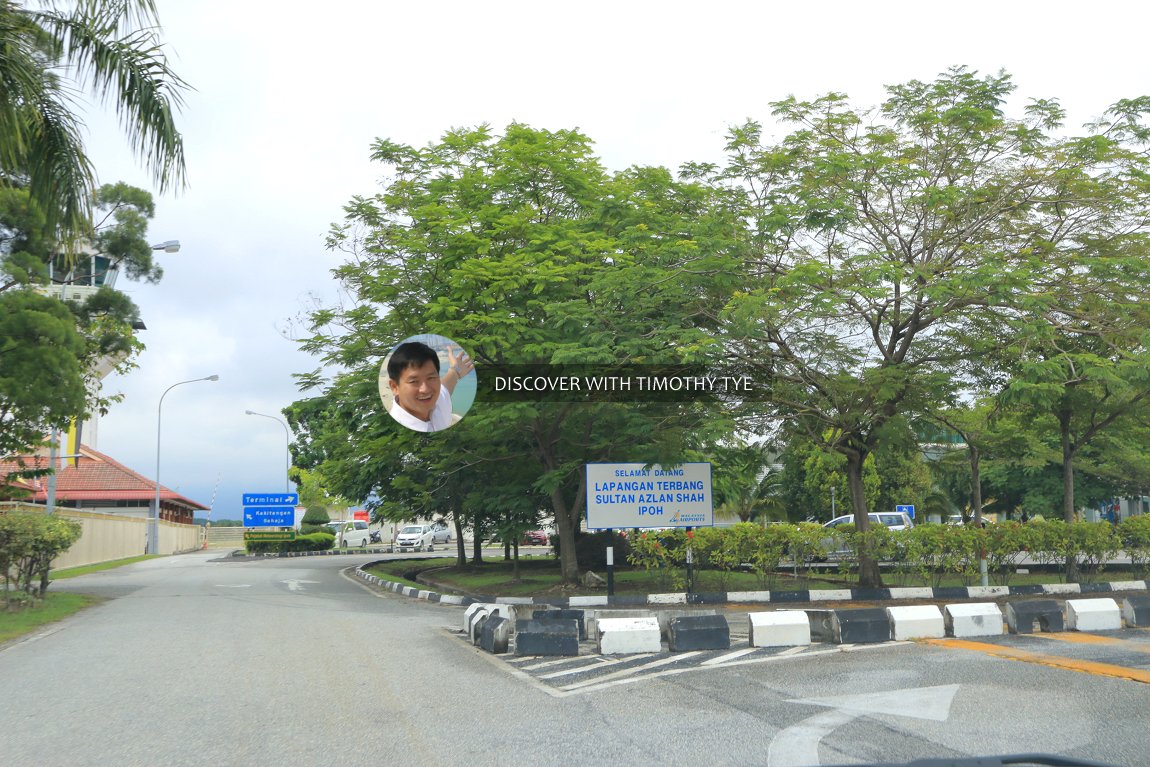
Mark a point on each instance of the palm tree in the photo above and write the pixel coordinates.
(110, 48)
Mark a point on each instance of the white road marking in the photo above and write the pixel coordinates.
(634, 670)
(729, 656)
(798, 745)
(598, 664)
(296, 585)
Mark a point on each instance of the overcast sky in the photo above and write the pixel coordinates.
(286, 105)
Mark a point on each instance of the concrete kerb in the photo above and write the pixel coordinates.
(828, 624)
(753, 597)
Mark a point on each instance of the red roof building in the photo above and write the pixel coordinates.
(99, 483)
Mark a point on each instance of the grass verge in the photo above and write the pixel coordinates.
(54, 607)
(72, 572)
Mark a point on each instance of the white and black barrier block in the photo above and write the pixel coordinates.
(1024, 616)
(779, 628)
(1098, 614)
(475, 621)
(1136, 610)
(592, 618)
(977, 619)
(861, 625)
(699, 632)
(495, 634)
(627, 636)
(547, 637)
(469, 615)
(915, 622)
(577, 615)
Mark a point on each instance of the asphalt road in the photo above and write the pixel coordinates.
(193, 660)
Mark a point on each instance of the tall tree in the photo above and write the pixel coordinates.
(877, 238)
(524, 249)
(109, 47)
(32, 272)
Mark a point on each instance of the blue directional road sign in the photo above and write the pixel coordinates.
(908, 509)
(270, 509)
(271, 499)
(269, 516)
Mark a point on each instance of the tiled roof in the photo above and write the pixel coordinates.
(97, 477)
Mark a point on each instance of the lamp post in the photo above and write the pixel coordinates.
(154, 518)
(287, 446)
(168, 246)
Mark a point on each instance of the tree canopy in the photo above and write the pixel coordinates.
(110, 48)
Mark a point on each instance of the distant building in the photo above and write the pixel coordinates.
(99, 483)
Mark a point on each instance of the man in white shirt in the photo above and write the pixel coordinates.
(422, 398)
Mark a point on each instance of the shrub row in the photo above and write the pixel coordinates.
(308, 542)
(926, 553)
(29, 541)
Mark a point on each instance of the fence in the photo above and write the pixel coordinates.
(108, 537)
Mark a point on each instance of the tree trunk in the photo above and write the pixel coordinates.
(1068, 488)
(975, 485)
(870, 577)
(477, 542)
(568, 563)
(460, 547)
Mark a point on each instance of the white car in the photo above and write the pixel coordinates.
(351, 533)
(415, 538)
(895, 520)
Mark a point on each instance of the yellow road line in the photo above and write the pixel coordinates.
(1054, 661)
(1079, 638)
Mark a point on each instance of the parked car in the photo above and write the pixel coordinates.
(415, 538)
(536, 538)
(895, 520)
(441, 533)
(350, 533)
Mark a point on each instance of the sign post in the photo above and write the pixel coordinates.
(908, 510)
(610, 562)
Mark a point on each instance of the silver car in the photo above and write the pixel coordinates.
(441, 533)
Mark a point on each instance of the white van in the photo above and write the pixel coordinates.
(350, 533)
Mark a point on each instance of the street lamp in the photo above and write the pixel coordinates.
(287, 445)
(168, 246)
(154, 518)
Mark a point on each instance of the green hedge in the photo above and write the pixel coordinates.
(309, 542)
(928, 552)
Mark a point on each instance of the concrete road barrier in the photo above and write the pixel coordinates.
(1024, 616)
(860, 625)
(577, 615)
(591, 619)
(547, 637)
(779, 628)
(699, 632)
(495, 635)
(915, 622)
(627, 636)
(979, 619)
(1098, 614)
(1136, 610)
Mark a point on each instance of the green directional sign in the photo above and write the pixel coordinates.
(269, 535)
